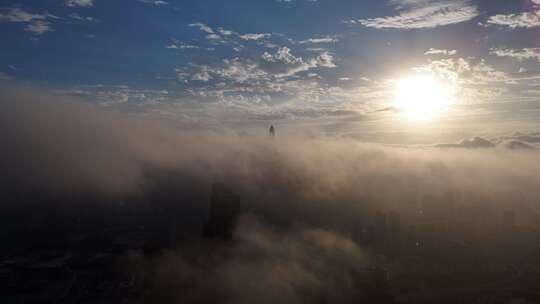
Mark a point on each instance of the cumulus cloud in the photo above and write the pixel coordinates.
(514, 21)
(203, 27)
(202, 75)
(478, 80)
(254, 36)
(521, 54)
(35, 23)
(257, 82)
(225, 36)
(78, 17)
(465, 70)
(247, 73)
(294, 64)
(39, 27)
(18, 15)
(239, 70)
(423, 14)
(433, 51)
(263, 75)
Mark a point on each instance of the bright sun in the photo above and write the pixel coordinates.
(422, 97)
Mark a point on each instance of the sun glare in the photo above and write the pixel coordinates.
(422, 97)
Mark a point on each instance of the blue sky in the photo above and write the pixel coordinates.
(268, 60)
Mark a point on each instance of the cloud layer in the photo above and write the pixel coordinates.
(110, 152)
(302, 198)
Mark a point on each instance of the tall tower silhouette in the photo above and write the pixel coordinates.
(380, 231)
(394, 229)
(509, 219)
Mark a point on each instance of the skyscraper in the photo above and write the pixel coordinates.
(394, 223)
(509, 219)
(224, 212)
(380, 231)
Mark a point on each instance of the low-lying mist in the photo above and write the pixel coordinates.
(58, 145)
(302, 198)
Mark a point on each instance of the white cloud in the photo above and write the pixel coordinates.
(264, 79)
(240, 70)
(415, 14)
(224, 36)
(154, 2)
(523, 54)
(178, 45)
(118, 96)
(292, 65)
(39, 27)
(219, 36)
(317, 49)
(78, 17)
(36, 23)
(267, 57)
(277, 75)
(213, 37)
(225, 32)
(284, 55)
(18, 15)
(472, 80)
(326, 39)
(203, 75)
(433, 51)
(73, 3)
(473, 71)
(513, 21)
(203, 27)
(254, 36)
(325, 60)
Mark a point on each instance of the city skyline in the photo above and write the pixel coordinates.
(270, 151)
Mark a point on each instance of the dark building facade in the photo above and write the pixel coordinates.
(224, 212)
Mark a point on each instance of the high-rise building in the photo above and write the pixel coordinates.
(394, 223)
(224, 212)
(380, 232)
(509, 219)
(412, 238)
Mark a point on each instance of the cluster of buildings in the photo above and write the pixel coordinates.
(453, 249)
